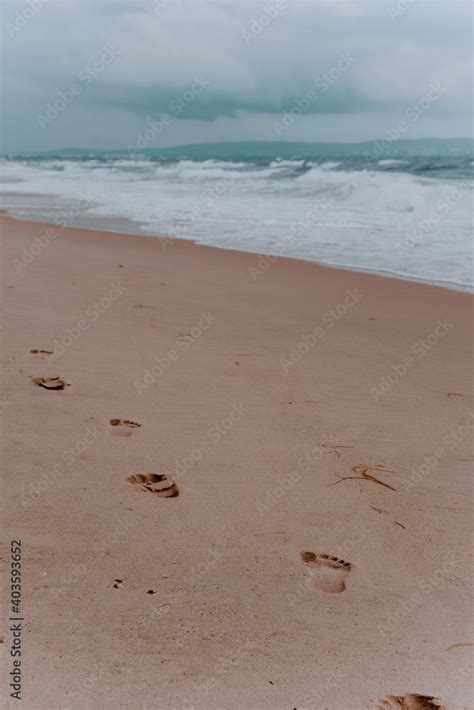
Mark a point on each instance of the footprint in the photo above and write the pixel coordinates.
(329, 573)
(35, 351)
(184, 338)
(157, 483)
(118, 583)
(50, 383)
(410, 702)
(122, 426)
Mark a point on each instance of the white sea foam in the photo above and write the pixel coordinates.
(374, 220)
(329, 165)
(392, 161)
(280, 163)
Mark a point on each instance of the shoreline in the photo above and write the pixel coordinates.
(134, 227)
(213, 442)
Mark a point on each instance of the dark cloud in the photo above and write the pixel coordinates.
(333, 57)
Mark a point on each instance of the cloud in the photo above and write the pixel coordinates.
(256, 57)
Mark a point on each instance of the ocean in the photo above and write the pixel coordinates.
(408, 216)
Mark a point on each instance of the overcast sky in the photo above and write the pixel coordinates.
(95, 73)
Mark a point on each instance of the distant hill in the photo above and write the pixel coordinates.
(264, 150)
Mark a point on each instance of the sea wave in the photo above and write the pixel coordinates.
(403, 220)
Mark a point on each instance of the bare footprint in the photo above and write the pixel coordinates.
(329, 573)
(410, 702)
(50, 383)
(122, 427)
(157, 483)
(184, 338)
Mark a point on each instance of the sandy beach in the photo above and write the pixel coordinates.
(239, 482)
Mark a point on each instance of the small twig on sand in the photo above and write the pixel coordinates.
(335, 447)
(365, 476)
(459, 645)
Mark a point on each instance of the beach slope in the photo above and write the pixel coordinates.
(238, 481)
